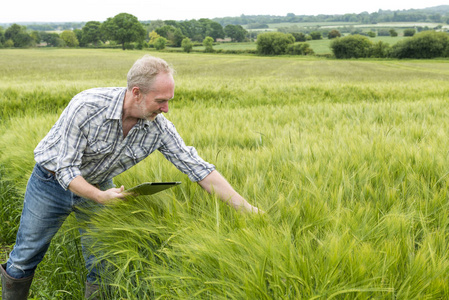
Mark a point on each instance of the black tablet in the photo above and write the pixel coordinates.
(149, 188)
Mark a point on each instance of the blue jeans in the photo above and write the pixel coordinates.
(46, 206)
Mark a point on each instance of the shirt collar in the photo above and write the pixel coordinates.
(115, 110)
(143, 124)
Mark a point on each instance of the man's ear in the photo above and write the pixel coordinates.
(136, 92)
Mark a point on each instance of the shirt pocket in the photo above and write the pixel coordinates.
(97, 149)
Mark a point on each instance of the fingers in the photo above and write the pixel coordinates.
(112, 195)
(121, 190)
(118, 192)
(256, 210)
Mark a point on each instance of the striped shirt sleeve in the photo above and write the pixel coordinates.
(74, 127)
(185, 158)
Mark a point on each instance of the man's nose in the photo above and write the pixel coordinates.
(164, 108)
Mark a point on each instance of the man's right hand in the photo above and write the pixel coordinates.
(111, 196)
(84, 189)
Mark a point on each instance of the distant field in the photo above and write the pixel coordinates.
(402, 25)
(326, 25)
(312, 24)
(323, 46)
(231, 46)
(320, 47)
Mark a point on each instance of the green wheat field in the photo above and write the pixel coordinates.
(349, 159)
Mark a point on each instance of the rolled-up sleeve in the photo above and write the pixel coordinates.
(72, 144)
(185, 158)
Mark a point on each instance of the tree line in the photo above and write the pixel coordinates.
(437, 14)
(124, 30)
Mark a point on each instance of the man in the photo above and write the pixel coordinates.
(101, 133)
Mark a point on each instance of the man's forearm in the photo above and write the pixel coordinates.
(216, 183)
(86, 190)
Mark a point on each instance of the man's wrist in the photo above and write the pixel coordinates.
(98, 195)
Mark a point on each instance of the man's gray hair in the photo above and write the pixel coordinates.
(144, 71)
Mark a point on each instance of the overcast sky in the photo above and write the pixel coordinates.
(99, 10)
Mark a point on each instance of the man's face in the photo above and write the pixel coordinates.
(156, 101)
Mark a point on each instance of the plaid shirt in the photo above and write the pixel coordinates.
(87, 140)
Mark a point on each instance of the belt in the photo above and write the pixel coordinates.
(49, 171)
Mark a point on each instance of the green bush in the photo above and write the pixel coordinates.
(274, 43)
(299, 36)
(187, 45)
(393, 33)
(160, 43)
(352, 46)
(333, 34)
(427, 44)
(300, 49)
(380, 50)
(9, 43)
(208, 43)
(316, 35)
(409, 32)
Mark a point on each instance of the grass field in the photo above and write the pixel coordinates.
(312, 24)
(320, 47)
(327, 25)
(349, 159)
